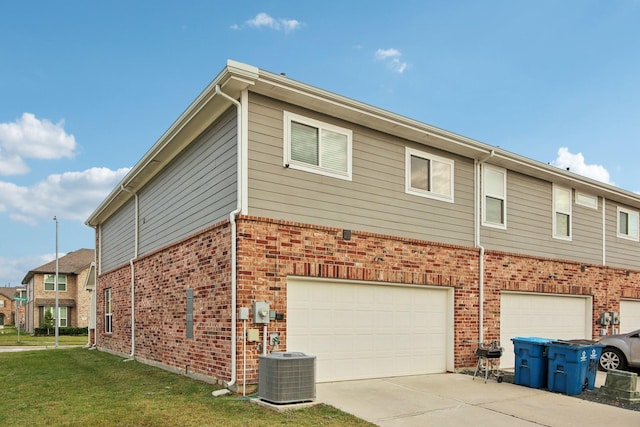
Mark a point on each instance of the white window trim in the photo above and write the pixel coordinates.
(288, 163)
(58, 318)
(418, 192)
(570, 213)
(60, 276)
(629, 212)
(503, 197)
(580, 200)
(108, 325)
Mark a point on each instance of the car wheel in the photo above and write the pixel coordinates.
(612, 358)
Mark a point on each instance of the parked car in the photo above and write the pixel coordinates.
(620, 351)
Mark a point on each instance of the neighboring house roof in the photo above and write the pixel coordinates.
(10, 292)
(71, 263)
(237, 77)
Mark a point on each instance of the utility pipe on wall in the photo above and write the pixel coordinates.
(604, 232)
(133, 275)
(264, 339)
(478, 214)
(232, 220)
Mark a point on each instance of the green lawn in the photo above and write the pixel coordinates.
(9, 336)
(81, 387)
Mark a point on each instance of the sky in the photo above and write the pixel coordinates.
(87, 87)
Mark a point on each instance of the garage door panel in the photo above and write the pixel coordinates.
(368, 330)
(629, 315)
(542, 315)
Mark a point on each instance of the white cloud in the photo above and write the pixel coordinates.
(71, 195)
(264, 20)
(576, 163)
(30, 137)
(11, 164)
(392, 58)
(17, 267)
(387, 53)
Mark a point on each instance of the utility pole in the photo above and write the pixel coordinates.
(55, 281)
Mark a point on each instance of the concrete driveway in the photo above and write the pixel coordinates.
(458, 400)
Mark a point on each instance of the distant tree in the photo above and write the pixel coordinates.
(48, 320)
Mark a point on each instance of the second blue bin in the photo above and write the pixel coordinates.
(573, 365)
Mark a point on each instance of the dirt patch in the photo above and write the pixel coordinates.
(595, 396)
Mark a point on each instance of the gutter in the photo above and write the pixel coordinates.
(133, 273)
(234, 239)
(477, 193)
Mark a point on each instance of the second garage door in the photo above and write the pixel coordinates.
(542, 315)
(629, 315)
(368, 330)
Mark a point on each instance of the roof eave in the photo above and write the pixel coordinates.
(344, 108)
(236, 77)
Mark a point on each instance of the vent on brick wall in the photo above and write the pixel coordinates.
(287, 377)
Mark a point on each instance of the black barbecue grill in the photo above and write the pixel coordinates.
(489, 355)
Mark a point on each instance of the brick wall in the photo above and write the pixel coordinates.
(269, 251)
(83, 300)
(202, 263)
(513, 272)
(7, 310)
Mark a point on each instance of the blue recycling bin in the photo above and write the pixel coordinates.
(531, 361)
(593, 355)
(572, 366)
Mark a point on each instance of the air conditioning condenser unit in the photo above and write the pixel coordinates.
(287, 377)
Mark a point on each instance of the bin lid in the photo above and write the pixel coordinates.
(574, 343)
(535, 340)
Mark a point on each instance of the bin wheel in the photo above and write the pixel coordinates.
(499, 379)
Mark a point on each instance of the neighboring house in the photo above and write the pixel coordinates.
(377, 243)
(9, 306)
(74, 302)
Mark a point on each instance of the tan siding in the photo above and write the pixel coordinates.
(623, 253)
(373, 201)
(196, 190)
(118, 238)
(530, 225)
(587, 231)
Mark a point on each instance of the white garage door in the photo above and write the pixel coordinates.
(544, 316)
(365, 330)
(629, 315)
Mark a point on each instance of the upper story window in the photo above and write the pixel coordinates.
(561, 212)
(428, 175)
(318, 147)
(49, 282)
(587, 200)
(494, 212)
(627, 224)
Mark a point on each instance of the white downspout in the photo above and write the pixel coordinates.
(478, 215)
(133, 280)
(232, 220)
(604, 232)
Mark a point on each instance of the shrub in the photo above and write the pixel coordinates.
(61, 331)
